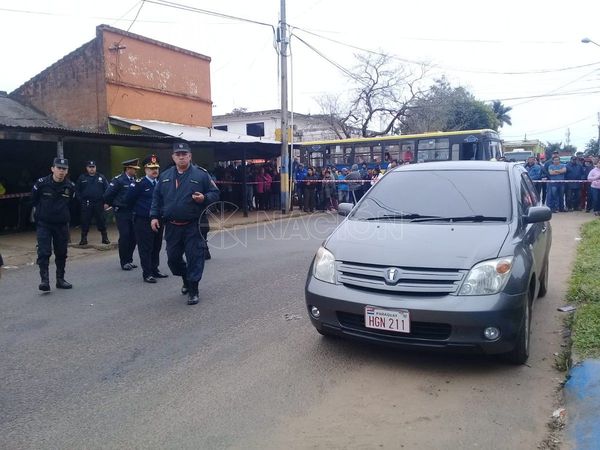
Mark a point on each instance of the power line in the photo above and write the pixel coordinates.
(558, 88)
(529, 72)
(330, 61)
(108, 19)
(552, 129)
(207, 12)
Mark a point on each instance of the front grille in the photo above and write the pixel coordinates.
(418, 330)
(414, 281)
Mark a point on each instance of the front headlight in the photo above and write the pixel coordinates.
(487, 277)
(324, 266)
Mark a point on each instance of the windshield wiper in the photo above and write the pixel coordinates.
(472, 218)
(403, 216)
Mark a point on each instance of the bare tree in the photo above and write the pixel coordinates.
(379, 97)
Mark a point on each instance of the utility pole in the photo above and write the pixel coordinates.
(285, 163)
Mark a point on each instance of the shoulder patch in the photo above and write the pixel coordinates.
(40, 179)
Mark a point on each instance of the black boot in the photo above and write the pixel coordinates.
(105, 237)
(193, 298)
(83, 240)
(45, 276)
(185, 288)
(61, 283)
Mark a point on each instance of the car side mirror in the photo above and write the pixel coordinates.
(537, 214)
(345, 208)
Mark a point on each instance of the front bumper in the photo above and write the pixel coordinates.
(437, 322)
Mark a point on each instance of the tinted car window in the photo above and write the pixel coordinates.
(438, 193)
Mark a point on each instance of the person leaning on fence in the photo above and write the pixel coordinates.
(180, 198)
(354, 181)
(52, 197)
(90, 188)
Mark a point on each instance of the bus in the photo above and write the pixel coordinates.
(482, 145)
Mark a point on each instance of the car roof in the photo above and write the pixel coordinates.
(456, 165)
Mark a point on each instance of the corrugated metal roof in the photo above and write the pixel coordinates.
(195, 134)
(14, 114)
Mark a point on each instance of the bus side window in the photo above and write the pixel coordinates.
(455, 152)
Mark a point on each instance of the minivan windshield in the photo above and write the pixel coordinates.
(440, 195)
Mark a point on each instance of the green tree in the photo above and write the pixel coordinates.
(447, 108)
(571, 149)
(592, 148)
(501, 113)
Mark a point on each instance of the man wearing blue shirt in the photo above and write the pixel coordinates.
(535, 172)
(556, 197)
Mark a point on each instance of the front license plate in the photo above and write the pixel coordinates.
(397, 320)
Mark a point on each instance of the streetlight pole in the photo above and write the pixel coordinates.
(586, 40)
(283, 44)
(589, 41)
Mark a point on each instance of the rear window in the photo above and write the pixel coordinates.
(438, 193)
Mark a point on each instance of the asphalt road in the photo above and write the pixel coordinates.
(118, 363)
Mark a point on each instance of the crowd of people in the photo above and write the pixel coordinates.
(574, 186)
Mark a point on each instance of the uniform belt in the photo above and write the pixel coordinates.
(179, 223)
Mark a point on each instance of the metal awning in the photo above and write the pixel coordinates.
(228, 146)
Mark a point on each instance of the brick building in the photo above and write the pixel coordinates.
(122, 74)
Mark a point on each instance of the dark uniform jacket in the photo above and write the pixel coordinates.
(175, 203)
(52, 200)
(117, 191)
(139, 197)
(91, 187)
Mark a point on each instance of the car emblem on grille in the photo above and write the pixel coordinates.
(392, 275)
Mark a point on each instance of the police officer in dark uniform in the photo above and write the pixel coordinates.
(139, 197)
(115, 196)
(52, 196)
(90, 192)
(182, 193)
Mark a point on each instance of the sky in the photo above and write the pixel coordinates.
(526, 53)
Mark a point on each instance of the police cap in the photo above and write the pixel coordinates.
(181, 147)
(151, 162)
(131, 163)
(61, 162)
(90, 163)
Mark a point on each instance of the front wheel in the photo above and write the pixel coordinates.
(520, 353)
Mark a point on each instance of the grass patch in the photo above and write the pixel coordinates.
(584, 291)
(586, 335)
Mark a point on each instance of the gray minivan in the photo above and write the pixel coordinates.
(445, 255)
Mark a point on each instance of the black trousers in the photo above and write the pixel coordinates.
(148, 244)
(52, 235)
(185, 239)
(126, 235)
(89, 211)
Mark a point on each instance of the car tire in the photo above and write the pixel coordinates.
(520, 353)
(544, 281)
